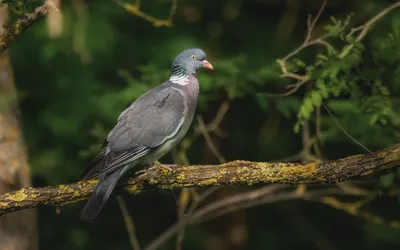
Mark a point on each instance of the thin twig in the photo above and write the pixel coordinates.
(349, 188)
(223, 109)
(368, 25)
(172, 11)
(212, 127)
(130, 228)
(205, 131)
(365, 28)
(343, 130)
(209, 141)
(184, 199)
(135, 10)
(166, 235)
(306, 137)
(353, 208)
(246, 197)
(304, 225)
(311, 195)
(294, 87)
(201, 129)
(311, 26)
(186, 218)
(262, 196)
(258, 197)
(286, 73)
(185, 194)
(28, 19)
(302, 79)
(318, 129)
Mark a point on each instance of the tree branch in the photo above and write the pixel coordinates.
(231, 173)
(308, 42)
(11, 33)
(237, 202)
(136, 10)
(368, 25)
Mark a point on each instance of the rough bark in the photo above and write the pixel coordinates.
(231, 173)
(9, 35)
(55, 21)
(17, 230)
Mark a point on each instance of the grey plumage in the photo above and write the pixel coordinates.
(147, 129)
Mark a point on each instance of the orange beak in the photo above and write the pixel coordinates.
(207, 64)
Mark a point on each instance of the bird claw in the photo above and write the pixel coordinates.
(166, 166)
(140, 172)
(163, 167)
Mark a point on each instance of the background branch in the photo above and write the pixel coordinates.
(130, 226)
(10, 34)
(321, 40)
(136, 10)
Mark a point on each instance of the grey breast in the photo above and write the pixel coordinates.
(148, 123)
(189, 93)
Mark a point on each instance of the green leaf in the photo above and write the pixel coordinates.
(296, 128)
(387, 180)
(299, 62)
(305, 112)
(262, 101)
(346, 50)
(383, 121)
(373, 119)
(322, 57)
(322, 88)
(316, 98)
(331, 50)
(309, 104)
(335, 91)
(325, 73)
(334, 70)
(288, 105)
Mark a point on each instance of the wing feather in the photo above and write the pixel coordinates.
(146, 124)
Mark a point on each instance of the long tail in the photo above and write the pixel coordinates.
(101, 194)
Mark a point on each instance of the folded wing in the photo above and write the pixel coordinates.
(151, 120)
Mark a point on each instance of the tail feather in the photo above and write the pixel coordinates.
(95, 167)
(97, 164)
(101, 194)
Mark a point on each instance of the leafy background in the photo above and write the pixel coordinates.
(72, 89)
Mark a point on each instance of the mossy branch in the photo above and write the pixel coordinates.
(25, 21)
(231, 173)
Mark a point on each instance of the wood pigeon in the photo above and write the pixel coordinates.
(147, 129)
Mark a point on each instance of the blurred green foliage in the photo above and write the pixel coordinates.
(72, 89)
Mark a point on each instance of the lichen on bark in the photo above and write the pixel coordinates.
(232, 173)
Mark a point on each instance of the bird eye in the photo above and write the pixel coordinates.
(193, 57)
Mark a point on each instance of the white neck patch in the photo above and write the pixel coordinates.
(181, 80)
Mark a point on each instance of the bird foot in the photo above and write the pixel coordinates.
(163, 167)
(140, 172)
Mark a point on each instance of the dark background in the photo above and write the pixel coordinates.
(72, 89)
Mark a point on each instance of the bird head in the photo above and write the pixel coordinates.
(189, 61)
